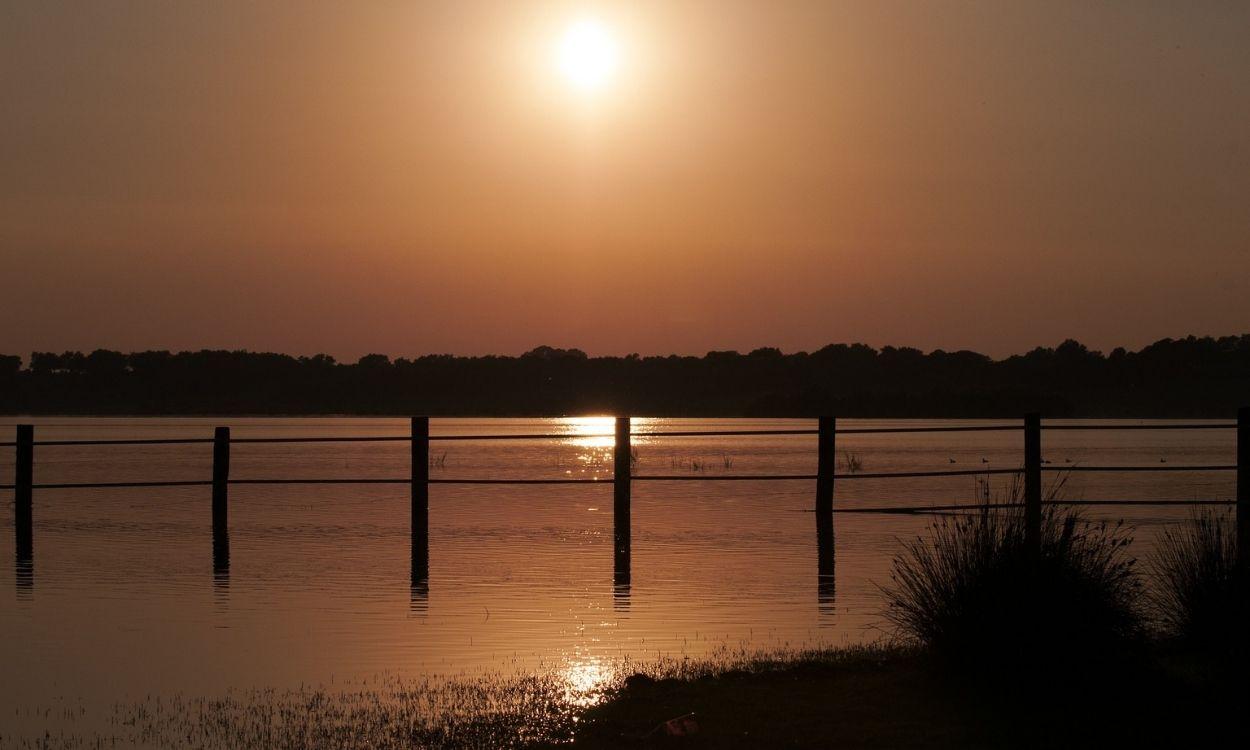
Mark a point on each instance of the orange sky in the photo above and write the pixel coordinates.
(414, 177)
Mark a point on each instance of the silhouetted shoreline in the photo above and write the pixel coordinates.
(1191, 377)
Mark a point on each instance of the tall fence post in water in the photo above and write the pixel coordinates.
(622, 457)
(1033, 481)
(221, 499)
(1243, 487)
(23, 495)
(826, 466)
(420, 488)
(221, 479)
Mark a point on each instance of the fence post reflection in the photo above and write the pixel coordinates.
(826, 587)
(221, 559)
(620, 582)
(419, 596)
(419, 574)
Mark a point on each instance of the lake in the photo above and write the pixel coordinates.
(121, 601)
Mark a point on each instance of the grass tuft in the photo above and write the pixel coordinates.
(974, 593)
(1200, 595)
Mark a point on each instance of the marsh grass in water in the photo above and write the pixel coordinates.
(852, 462)
(387, 712)
(543, 709)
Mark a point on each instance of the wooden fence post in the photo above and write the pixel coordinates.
(826, 465)
(622, 457)
(221, 479)
(420, 488)
(1033, 481)
(1243, 487)
(23, 493)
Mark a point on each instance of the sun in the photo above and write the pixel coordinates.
(588, 55)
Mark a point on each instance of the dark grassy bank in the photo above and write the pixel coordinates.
(1026, 635)
(864, 697)
(896, 697)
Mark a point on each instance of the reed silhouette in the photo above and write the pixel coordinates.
(1202, 596)
(980, 593)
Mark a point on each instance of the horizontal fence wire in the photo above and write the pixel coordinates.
(118, 485)
(609, 480)
(657, 433)
(430, 481)
(331, 439)
(208, 482)
(918, 509)
(782, 477)
(1151, 467)
(143, 441)
(538, 436)
(521, 481)
(915, 509)
(915, 474)
(1195, 501)
(1198, 426)
(884, 509)
(719, 477)
(890, 430)
(719, 433)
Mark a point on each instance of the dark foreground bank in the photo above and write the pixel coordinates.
(846, 698)
(890, 698)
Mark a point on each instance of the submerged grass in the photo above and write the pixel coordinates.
(389, 712)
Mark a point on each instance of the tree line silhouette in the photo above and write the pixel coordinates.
(1189, 377)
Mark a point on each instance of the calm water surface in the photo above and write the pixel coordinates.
(123, 602)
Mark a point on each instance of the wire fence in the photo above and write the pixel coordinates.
(419, 439)
(652, 434)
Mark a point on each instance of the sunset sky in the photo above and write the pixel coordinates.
(418, 177)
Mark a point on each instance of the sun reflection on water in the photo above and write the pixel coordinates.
(590, 432)
(593, 440)
(586, 679)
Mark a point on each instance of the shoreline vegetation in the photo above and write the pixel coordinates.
(1001, 639)
(881, 696)
(895, 696)
(1191, 377)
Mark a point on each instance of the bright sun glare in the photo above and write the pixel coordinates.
(588, 55)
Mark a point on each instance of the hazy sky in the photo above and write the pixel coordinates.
(416, 177)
